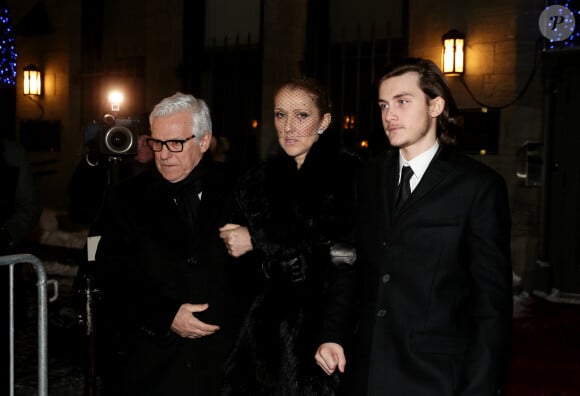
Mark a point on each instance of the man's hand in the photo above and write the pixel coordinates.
(188, 326)
(237, 239)
(329, 356)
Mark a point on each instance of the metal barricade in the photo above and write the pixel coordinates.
(42, 317)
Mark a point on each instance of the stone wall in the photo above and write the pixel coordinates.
(500, 56)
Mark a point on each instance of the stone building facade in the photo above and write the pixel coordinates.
(153, 48)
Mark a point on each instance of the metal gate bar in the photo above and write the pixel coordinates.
(42, 317)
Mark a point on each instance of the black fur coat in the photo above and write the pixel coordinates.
(296, 217)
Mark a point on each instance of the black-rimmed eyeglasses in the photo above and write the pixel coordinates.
(173, 145)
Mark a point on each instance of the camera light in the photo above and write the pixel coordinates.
(115, 98)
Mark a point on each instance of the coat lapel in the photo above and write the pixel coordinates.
(438, 169)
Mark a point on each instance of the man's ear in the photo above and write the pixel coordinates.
(436, 106)
(205, 142)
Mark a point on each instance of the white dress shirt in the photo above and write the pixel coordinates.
(418, 164)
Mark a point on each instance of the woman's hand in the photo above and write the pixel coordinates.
(237, 239)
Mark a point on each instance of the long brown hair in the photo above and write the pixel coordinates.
(433, 84)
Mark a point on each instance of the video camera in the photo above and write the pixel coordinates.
(119, 136)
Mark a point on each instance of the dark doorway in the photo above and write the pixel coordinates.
(561, 239)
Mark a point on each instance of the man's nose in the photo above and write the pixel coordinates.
(165, 153)
(389, 114)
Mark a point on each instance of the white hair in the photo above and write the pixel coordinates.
(179, 102)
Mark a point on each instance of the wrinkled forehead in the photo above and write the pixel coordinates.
(174, 126)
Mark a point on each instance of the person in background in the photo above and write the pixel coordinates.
(20, 211)
(297, 214)
(88, 191)
(96, 171)
(434, 250)
(169, 312)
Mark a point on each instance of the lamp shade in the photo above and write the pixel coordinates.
(453, 53)
(32, 80)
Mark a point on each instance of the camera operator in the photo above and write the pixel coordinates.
(97, 170)
(115, 150)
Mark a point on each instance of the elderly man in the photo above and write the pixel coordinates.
(169, 311)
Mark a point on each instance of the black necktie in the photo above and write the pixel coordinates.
(404, 189)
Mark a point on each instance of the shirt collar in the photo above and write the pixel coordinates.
(420, 163)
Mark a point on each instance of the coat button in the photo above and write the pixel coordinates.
(381, 313)
(386, 278)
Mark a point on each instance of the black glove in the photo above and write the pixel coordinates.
(289, 270)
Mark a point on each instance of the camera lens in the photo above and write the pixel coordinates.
(119, 139)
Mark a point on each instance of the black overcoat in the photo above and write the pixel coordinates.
(158, 251)
(437, 307)
(295, 218)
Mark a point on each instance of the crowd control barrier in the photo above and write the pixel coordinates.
(41, 285)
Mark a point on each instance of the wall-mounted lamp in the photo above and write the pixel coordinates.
(453, 53)
(32, 80)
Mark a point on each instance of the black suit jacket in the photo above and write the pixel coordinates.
(437, 298)
(150, 261)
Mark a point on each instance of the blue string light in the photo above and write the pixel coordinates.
(8, 53)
